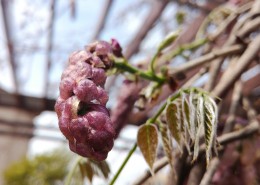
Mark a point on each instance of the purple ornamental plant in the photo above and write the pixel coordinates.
(83, 118)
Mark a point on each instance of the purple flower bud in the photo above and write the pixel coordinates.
(79, 56)
(102, 96)
(117, 50)
(99, 76)
(103, 48)
(79, 128)
(86, 90)
(97, 62)
(66, 87)
(83, 70)
(63, 125)
(83, 118)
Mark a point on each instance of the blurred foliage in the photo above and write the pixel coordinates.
(180, 17)
(44, 169)
(53, 168)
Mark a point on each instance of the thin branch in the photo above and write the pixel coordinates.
(194, 78)
(207, 58)
(5, 9)
(234, 73)
(251, 113)
(49, 46)
(148, 23)
(102, 20)
(213, 73)
(210, 171)
(233, 16)
(233, 107)
(72, 8)
(208, 7)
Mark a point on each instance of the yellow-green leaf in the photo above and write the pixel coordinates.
(209, 127)
(101, 168)
(147, 140)
(86, 170)
(172, 120)
(169, 39)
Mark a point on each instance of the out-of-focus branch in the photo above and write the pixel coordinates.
(49, 46)
(233, 107)
(102, 20)
(152, 17)
(192, 4)
(251, 113)
(210, 171)
(5, 9)
(127, 97)
(206, 58)
(72, 8)
(234, 72)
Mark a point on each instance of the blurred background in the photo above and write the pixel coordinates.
(36, 38)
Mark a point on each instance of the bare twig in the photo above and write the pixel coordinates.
(72, 8)
(210, 171)
(206, 58)
(103, 18)
(148, 23)
(223, 26)
(233, 107)
(213, 73)
(5, 9)
(233, 73)
(251, 113)
(49, 46)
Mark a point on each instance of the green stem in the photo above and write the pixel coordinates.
(124, 66)
(72, 171)
(195, 44)
(159, 112)
(123, 164)
(153, 62)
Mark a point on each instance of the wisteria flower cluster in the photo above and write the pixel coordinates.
(83, 118)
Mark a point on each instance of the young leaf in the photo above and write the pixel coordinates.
(192, 116)
(184, 115)
(167, 144)
(172, 120)
(186, 112)
(199, 111)
(147, 140)
(86, 170)
(168, 40)
(102, 168)
(196, 143)
(209, 127)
